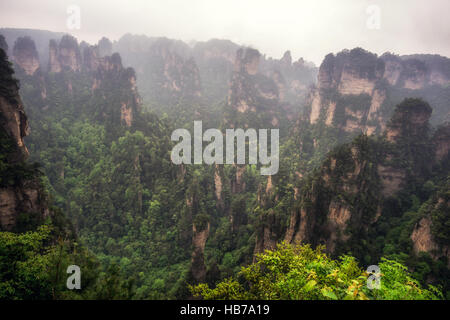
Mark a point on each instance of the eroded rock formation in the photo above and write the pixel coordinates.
(354, 86)
(349, 193)
(25, 55)
(64, 55)
(21, 192)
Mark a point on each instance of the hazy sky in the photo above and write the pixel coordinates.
(310, 29)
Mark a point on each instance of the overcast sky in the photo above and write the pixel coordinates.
(310, 29)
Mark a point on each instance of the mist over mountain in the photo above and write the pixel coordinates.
(86, 176)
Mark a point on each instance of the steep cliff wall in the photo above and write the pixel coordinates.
(384, 81)
(25, 55)
(13, 119)
(68, 75)
(215, 59)
(21, 192)
(198, 268)
(166, 71)
(64, 55)
(430, 234)
(442, 142)
(344, 200)
(253, 98)
(107, 73)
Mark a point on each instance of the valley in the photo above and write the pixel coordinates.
(87, 168)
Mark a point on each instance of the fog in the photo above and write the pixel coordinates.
(310, 29)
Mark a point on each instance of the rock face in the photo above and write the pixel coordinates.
(198, 268)
(25, 55)
(27, 198)
(215, 60)
(355, 87)
(251, 92)
(91, 58)
(331, 203)
(20, 195)
(269, 85)
(103, 71)
(341, 79)
(351, 189)
(41, 39)
(13, 120)
(64, 55)
(94, 62)
(108, 72)
(168, 74)
(267, 238)
(167, 68)
(442, 142)
(264, 93)
(423, 239)
(218, 187)
(293, 78)
(173, 67)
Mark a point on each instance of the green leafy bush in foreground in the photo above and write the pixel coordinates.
(298, 272)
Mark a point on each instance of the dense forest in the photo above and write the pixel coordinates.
(363, 177)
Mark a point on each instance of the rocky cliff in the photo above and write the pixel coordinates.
(253, 98)
(293, 78)
(108, 72)
(215, 60)
(442, 142)
(21, 192)
(357, 90)
(430, 233)
(41, 39)
(13, 119)
(174, 73)
(64, 55)
(166, 70)
(342, 203)
(25, 55)
(272, 89)
(198, 268)
(69, 72)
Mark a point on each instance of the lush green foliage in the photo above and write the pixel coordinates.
(301, 273)
(33, 267)
(136, 211)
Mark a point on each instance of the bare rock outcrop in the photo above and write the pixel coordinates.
(172, 72)
(25, 55)
(354, 86)
(64, 55)
(108, 71)
(13, 120)
(423, 240)
(19, 193)
(252, 92)
(335, 199)
(198, 268)
(442, 142)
